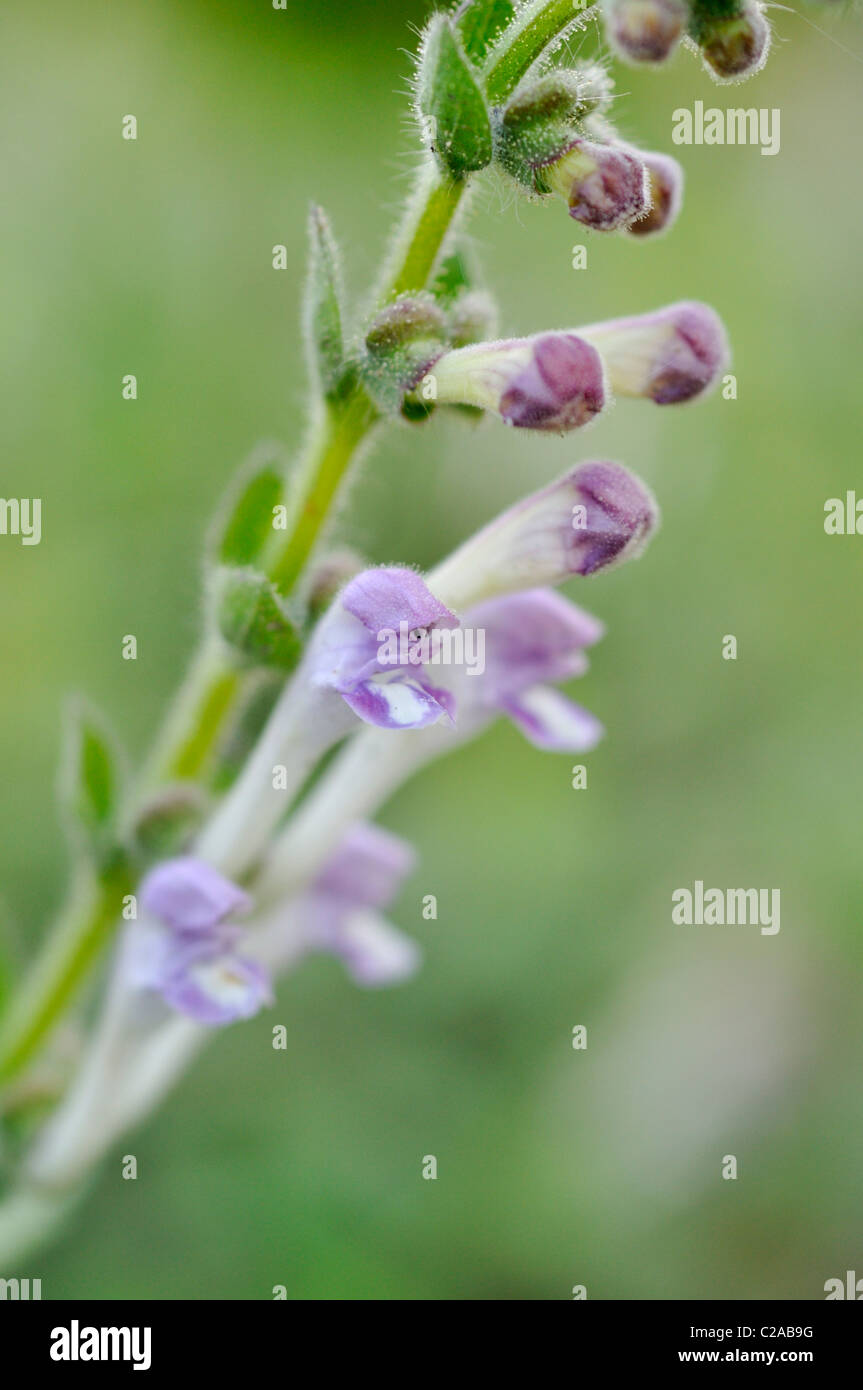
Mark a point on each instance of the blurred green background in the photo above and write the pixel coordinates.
(555, 1167)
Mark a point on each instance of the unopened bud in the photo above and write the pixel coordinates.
(405, 339)
(595, 516)
(551, 382)
(604, 186)
(646, 31)
(665, 181)
(668, 356)
(734, 48)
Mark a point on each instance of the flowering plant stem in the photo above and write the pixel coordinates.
(75, 943)
(212, 685)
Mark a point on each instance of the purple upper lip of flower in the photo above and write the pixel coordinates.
(386, 597)
(561, 387)
(189, 896)
(345, 655)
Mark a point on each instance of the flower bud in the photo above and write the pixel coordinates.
(596, 515)
(665, 181)
(550, 382)
(736, 47)
(404, 341)
(538, 126)
(604, 186)
(472, 318)
(646, 31)
(668, 356)
(165, 824)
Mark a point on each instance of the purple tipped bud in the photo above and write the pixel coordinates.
(665, 179)
(736, 48)
(604, 186)
(646, 31)
(667, 356)
(613, 519)
(552, 382)
(596, 515)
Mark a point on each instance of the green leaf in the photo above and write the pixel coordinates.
(252, 619)
(450, 103)
(90, 781)
(245, 526)
(452, 278)
(480, 23)
(537, 31)
(323, 309)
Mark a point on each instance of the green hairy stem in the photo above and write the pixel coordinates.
(210, 692)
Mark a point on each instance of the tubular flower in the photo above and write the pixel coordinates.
(186, 949)
(646, 31)
(604, 186)
(551, 382)
(665, 179)
(668, 356)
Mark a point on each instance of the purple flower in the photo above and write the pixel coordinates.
(646, 31)
(596, 515)
(533, 640)
(604, 186)
(189, 896)
(216, 988)
(345, 655)
(665, 179)
(187, 953)
(668, 356)
(340, 913)
(552, 382)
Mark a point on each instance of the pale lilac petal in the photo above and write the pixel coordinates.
(367, 868)
(343, 651)
(552, 722)
(220, 989)
(530, 637)
(398, 702)
(373, 952)
(385, 598)
(190, 896)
